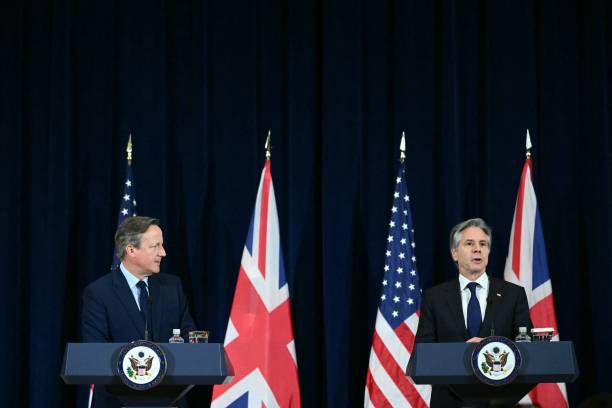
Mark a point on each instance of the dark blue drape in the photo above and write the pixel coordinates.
(199, 83)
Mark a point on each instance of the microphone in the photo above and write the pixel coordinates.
(490, 301)
(150, 307)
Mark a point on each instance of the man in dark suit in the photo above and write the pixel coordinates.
(135, 301)
(472, 306)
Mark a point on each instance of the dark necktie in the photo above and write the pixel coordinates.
(145, 309)
(474, 316)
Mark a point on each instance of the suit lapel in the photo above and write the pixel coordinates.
(456, 310)
(156, 306)
(126, 298)
(493, 299)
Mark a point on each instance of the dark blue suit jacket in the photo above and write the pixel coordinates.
(111, 315)
(442, 321)
(110, 312)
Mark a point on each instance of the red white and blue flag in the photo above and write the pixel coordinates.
(398, 314)
(128, 200)
(126, 209)
(527, 266)
(259, 338)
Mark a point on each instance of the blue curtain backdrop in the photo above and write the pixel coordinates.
(199, 83)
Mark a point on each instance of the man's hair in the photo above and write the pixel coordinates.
(130, 231)
(455, 233)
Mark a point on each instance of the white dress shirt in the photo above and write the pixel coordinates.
(482, 290)
(132, 281)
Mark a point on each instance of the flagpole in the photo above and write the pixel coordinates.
(403, 147)
(128, 150)
(268, 147)
(527, 145)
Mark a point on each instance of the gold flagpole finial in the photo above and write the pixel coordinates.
(268, 147)
(403, 147)
(128, 149)
(527, 145)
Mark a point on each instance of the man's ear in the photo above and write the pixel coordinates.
(454, 254)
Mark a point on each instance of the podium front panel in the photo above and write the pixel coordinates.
(449, 363)
(197, 364)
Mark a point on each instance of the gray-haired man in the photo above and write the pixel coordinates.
(135, 301)
(468, 307)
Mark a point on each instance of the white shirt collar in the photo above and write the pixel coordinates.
(483, 281)
(131, 279)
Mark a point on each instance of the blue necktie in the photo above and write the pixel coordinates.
(145, 311)
(474, 316)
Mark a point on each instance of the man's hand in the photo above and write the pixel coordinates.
(475, 340)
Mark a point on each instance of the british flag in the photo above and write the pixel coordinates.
(259, 338)
(398, 314)
(526, 265)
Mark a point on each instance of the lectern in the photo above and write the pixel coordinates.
(449, 364)
(187, 365)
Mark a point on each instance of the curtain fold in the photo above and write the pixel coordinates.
(198, 84)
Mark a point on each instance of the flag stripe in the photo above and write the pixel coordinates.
(374, 395)
(263, 221)
(542, 314)
(405, 335)
(392, 341)
(518, 221)
(548, 395)
(388, 386)
(389, 363)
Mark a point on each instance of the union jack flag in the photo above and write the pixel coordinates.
(398, 314)
(526, 265)
(259, 338)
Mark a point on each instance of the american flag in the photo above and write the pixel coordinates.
(526, 265)
(259, 338)
(398, 314)
(127, 207)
